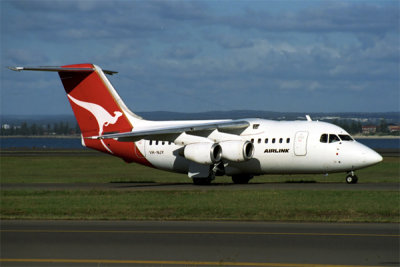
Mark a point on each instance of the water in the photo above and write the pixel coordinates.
(75, 143)
(381, 143)
(41, 143)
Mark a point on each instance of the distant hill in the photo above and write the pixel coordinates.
(240, 114)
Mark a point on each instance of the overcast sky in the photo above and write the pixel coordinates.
(192, 56)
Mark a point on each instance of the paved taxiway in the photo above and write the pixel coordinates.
(88, 243)
(214, 186)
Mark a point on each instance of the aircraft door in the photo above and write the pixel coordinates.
(300, 143)
(140, 148)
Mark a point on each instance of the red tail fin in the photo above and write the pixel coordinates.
(93, 101)
(97, 108)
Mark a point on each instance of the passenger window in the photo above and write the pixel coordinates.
(151, 142)
(273, 140)
(280, 140)
(252, 140)
(288, 140)
(346, 137)
(162, 142)
(333, 138)
(157, 143)
(259, 140)
(324, 138)
(266, 140)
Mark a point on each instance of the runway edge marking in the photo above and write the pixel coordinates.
(193, 232)
(187, 263)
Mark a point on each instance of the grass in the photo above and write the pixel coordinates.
(106, 169)
(326, 206)
(199, 204)
(85, 169)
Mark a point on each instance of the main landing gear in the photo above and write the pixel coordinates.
(202, 181)
(241, 179)
(351, 178)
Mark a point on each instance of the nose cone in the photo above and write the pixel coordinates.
(359, 156)
(371, 157)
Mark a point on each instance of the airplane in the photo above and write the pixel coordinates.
(204, 149)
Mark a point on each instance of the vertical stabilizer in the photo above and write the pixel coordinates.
(97, 107)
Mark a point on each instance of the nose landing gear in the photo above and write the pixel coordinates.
(351, 178)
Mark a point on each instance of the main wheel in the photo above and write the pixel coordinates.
(202, 181)
(351, 179)
(241, 179)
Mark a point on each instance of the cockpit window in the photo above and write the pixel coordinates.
(346, 137)
(333, 138)
(324, 138)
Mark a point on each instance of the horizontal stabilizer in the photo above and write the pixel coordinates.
(59, 69)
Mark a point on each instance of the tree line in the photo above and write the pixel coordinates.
(64, 128)
(355, 127)
(25, 129)
(352, 127)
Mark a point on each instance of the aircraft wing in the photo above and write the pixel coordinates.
(158, 132)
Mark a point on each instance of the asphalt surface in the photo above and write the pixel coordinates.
(214, 186)
(88, 243)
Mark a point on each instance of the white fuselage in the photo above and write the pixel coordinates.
(280, 147)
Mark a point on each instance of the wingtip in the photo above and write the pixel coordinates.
(94, 137)
(15, 68)
(110, 72)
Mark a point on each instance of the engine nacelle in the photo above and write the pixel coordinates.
(203, 153)
(237, 151)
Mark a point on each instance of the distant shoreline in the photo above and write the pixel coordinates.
(376, 137)
(43, 136)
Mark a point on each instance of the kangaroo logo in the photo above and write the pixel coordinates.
(102, 116)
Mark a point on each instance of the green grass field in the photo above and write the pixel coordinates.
(198, 204)
(266, 205)
(105, 169)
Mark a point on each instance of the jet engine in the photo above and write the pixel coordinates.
(203, 153)
(237, 151)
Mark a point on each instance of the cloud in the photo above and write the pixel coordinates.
(239, 56)
(324, 17)
(98, 20)
(183, 52)
(21, 56)
(298, 85)
(230, 41)
(181, 10)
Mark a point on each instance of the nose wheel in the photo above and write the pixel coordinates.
(351, 178)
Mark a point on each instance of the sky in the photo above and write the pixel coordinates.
(195, 56)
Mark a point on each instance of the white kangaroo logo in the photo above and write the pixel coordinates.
(102, 116)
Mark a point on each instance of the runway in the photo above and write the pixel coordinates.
(114, 243)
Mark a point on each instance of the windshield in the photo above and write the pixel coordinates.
(346, 137)
(333, 138)
(324, 138)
